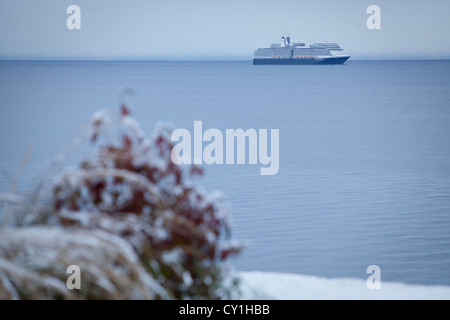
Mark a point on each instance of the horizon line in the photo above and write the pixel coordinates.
(196, 60)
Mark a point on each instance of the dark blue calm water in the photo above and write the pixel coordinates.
(364, 151)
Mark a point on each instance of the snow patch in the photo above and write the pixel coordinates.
(284, 286)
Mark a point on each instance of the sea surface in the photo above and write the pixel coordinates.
(364, 175)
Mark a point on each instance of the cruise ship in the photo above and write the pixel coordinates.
(288, 52)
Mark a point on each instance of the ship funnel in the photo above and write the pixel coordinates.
(286, 41)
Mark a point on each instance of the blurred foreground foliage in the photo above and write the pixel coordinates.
(127, 216)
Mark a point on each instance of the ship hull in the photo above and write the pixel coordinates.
(294, 61)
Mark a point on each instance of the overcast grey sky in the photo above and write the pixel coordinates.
(232, 29)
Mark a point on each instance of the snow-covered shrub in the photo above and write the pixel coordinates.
(127, 216)
(132, 189)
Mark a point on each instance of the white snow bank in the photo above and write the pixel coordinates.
(283, 286)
